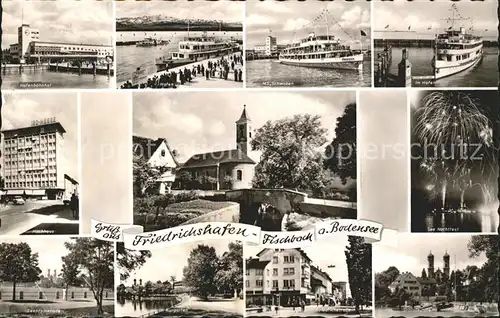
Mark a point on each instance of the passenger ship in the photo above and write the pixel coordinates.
(455, 50)
(323, 51)
(196, 48)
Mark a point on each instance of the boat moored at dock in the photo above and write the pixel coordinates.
(151, 42)
(324, 51)
(197, 48)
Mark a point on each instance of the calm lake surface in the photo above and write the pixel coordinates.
(130, 57)
(135, 308)
(458, 222)
(266, 73)
(11, 80)
(485, 74)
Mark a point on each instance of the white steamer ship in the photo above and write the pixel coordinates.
(456, 51)
(323, 51)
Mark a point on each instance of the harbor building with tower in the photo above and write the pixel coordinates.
(33, 161)
(30, 49)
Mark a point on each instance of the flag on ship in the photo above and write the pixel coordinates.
(363, 33)
(409, 27)
(387, 26)
(429, 27)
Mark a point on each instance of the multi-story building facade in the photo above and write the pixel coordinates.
(282, 277)
(29, 49)
(33, 160)
(271, 46)
(408, 282)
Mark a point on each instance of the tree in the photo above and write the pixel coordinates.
(229, 276)
(129, 260)
(424, 274)
(185, 179)
(487, 275)
(144, 175)
(359, 266)
(199, 274)
(340, 154)
(96, 259)
(290, 157)
(18, 265)
(69, 272)
(383, 280)
(148, 288)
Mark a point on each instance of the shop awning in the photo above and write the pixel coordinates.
(39, 192)
(28, 192)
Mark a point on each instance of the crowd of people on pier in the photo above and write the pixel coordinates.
(213, 69)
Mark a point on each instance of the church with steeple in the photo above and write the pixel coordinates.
(230, 169)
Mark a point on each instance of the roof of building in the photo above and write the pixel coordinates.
(145, 147)
(426, 281)
(57, 125)
(403, 277)
(244, 115)
(317, 282)
(216, 158)
(324, 274)
(256, 263)
(80, 44)
(298, 249)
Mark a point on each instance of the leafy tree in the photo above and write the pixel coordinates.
(96, 259)
(129, 260)
(487, 275)
(69, 272)
(290, 157)
(199, 274)
(340, 154)
(120, 290)
(144, 175)
(185, 179)
(148, 288)
(359, 266)
(18, 265)
(229, 276)
(383, 280)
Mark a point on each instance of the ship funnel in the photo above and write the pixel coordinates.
(462, 30)
(311, 35)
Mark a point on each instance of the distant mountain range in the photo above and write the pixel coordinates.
(164, 23)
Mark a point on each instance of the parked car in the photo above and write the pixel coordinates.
(18, 201)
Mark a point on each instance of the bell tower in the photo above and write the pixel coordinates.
(430, 269)
(243, 132)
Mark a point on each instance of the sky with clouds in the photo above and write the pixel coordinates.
(422, 14)
(201, 122)
(323, 254)
(215, 10)
(384, 157)
(50, 249)
(158, 267)
(286, 21)
(21, 108)
(89, 22)
(411, 252)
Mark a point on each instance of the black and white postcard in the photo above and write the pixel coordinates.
(179, 44)
(454, 165)
(438, 275)
(57, 44)
(307, 282)
(440, 43)
(244, 157)
(308, 44)
(39, 170)
(56, 277)
(201, 279)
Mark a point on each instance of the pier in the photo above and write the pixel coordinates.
(419, 43)
(404, 78)
(60, 68)
(141, 81)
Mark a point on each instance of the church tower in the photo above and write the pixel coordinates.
(244, 132)
(430, 269)
(446, 260)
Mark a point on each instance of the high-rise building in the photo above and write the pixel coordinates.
(25, 35)
(271, 45)
(33, 160)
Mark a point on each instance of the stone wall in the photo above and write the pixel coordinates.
(34, 293)
(227, 214)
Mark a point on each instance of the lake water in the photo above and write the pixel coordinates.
(458, 222)
(12, 80)
(135, 308)
(262, 72)
(130, 57)
(485, 74)
(387, 312)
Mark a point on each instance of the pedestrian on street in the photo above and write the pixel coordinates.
(73, 204)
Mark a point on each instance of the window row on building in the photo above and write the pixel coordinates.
(286, 271)
(20, 140)
(286, 283)
(34, 184)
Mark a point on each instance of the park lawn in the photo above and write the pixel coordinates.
(176, 312)
(177, 214)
